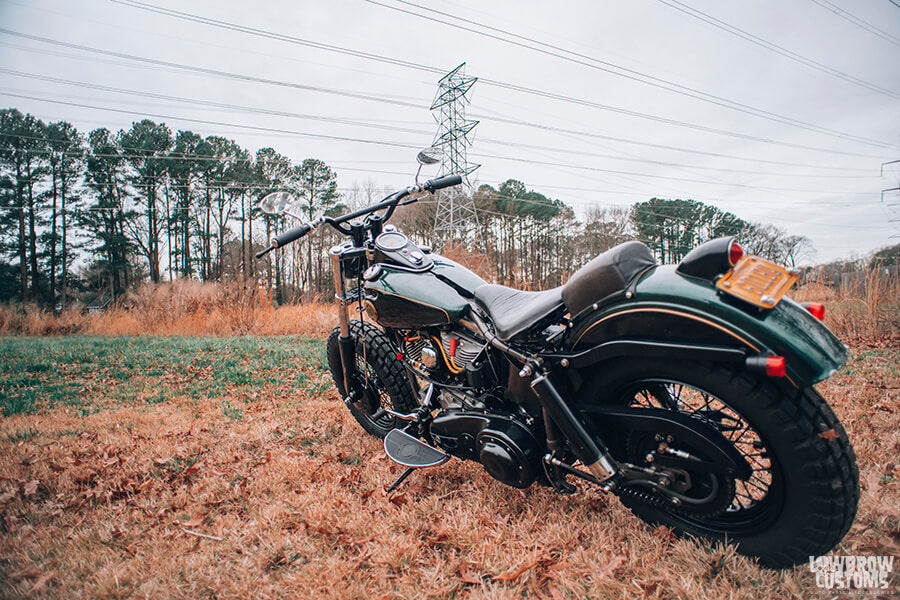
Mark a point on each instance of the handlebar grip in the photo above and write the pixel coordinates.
(290, 235)
(442, 182)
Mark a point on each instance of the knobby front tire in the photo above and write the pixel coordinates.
(379, 374)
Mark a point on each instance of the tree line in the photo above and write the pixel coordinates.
(102, 212)
(105, 211)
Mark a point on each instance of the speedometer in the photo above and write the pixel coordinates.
(391, 241)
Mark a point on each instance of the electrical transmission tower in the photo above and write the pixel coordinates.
(456, 215)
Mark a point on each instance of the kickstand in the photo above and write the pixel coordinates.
(400, 480)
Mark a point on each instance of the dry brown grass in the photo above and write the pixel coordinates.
(181, 500)
(177, 500)
(186, 308)
(867, 316)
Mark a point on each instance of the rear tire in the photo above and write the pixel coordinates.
(379, 374)
(803, 498)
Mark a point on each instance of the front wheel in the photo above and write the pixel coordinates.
(380, 378)
(801, 496)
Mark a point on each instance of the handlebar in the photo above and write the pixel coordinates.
(291, 235)
(390, 203)
(286, 237)
(442, 182)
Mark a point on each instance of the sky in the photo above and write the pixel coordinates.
(780, 112)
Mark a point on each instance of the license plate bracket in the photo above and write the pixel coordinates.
(758, 281)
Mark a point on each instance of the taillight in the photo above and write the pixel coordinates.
(735, 253)
(767, 364)
(816, 309)
(775, 366)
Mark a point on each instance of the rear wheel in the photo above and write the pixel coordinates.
(380, 377)
(802, 494)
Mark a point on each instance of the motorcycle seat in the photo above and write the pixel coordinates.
(513, 311)
(612, 272)
(609, 273)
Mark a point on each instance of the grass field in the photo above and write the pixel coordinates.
(161, 467)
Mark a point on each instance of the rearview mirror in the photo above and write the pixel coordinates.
(276, 202)
(430, 156)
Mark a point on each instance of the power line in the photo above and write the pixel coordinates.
(380, 58)
(253, 109)
(218, 123)
(400, 145)
(522, 89)
(580, 133)
(361, 123)
(635, 174)
(857, 21)
(513, 87)
(667, 216)
(736, 31)
(620, 71)
(215, 72)
(588, 134)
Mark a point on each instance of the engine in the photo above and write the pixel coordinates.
(452, 357)
(505, 446)
(452, 351)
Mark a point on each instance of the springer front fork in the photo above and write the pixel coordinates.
(346, 344)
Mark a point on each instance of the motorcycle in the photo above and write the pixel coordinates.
(685, 390)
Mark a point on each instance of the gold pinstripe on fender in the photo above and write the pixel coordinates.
(670, 312)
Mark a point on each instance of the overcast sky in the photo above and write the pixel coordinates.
(781, 112)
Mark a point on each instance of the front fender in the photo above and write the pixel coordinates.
(671, 307)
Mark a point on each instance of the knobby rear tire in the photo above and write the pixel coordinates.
(818, 477)
(381, 375)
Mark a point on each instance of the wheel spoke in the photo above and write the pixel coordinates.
(702, 405)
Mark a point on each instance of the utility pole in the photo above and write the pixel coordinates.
(456, 218)
(891, 205)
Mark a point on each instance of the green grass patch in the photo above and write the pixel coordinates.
(21, 435)
(86, 372)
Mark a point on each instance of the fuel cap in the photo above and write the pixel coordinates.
(372, 272)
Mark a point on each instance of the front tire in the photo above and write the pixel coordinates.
(803, 494)
(380, 376)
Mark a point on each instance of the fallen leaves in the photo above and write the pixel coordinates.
(195, 521)
(514, 575)
(467, 572)
(830, 435)
(176, 482)
(41, 583)
(612, 565)
(30, 488)
(399, 499)
(40, 578)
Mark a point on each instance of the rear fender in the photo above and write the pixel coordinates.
(668, 308)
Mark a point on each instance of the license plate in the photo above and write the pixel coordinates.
(758, 281)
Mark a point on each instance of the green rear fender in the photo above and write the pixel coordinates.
(671, 307)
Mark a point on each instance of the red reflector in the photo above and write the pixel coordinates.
(815, 309)
(775, 366)
(399, 356)
(454, 343)
(735, 253)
